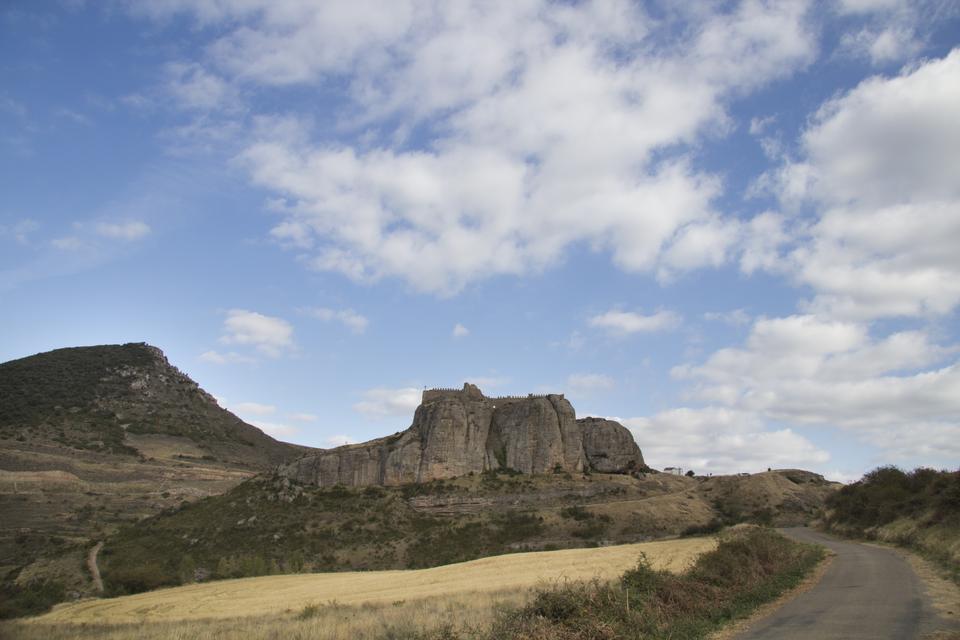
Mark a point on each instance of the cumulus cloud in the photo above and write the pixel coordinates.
(349, 318)
(546, 126)
(274, 429)
(67, 243)
(720, 440)
(881, 166)
(231, 357)
(627, 322)
(460, 331)
(302, 417)
(254, 408)
(381, 402)
(900, 392)
(339, 440)
(587, 382)
(269, 335)
(736, 317)
(130, 230)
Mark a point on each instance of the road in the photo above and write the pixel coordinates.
(867, 592)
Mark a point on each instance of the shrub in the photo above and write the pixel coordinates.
(36, 597)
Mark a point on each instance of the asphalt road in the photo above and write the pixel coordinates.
(867, 592)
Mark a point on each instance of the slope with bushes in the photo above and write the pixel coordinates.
(919, 509)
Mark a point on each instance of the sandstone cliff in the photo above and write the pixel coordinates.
(456, 432)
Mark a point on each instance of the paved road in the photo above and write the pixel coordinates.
(867, 592)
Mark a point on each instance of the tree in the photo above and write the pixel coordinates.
(690, 473)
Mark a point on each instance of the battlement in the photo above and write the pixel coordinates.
(473, 392)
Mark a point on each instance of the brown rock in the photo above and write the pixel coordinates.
(460, 431)
(609, 446)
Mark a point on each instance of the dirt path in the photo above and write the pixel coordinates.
(94, 569)
(867, 592)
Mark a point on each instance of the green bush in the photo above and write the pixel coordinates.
(35, 597)
(888, 493)
(743, 572)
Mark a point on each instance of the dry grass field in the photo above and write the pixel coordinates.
(348, 605)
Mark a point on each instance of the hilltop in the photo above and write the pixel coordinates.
(114, 398)
(94, 437)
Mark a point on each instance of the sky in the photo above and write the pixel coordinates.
(732, 226)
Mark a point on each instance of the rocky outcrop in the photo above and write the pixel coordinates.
(609, 447)
(460, 431)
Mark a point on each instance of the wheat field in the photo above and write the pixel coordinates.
(356, 604)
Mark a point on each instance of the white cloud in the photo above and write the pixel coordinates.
(881, 166)
(131, 230)
(626, 322)
(736, 317)
(196, 88)
(67, 243)
(231, 357)
(720, 440)
(274, 429)
(900, 393)
(254, 408)
(460, 331)
(586, 382)
(549, 126)
(339, 440)
(302, 417)
(21, 230)
(380, 402)
(882, 45)
(269, 335)
(487, 382)
(349, 318)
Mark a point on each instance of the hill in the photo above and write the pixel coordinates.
(275, 525)
(104, 398)
(94, 437)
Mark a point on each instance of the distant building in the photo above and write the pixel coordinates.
(674, 471)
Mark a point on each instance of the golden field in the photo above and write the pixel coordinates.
(348, 605)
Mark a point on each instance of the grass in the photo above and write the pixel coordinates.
(272, 595)
(451, 616)
(750, 567)
(746, 570)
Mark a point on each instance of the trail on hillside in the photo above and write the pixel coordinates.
(94, 569)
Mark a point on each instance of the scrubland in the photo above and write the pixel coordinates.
(919, 509)
(670, 589)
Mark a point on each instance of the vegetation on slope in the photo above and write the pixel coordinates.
(268, 526)
(91, 397)
(919, 509)
(750, 567)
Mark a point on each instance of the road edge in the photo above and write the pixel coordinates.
(743, 624)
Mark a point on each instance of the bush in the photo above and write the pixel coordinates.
(745, 571)
(35, 597)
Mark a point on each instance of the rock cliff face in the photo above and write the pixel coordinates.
(456, 432)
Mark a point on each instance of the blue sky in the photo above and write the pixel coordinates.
(735, 227)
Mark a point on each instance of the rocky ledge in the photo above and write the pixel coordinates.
(460, 431)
